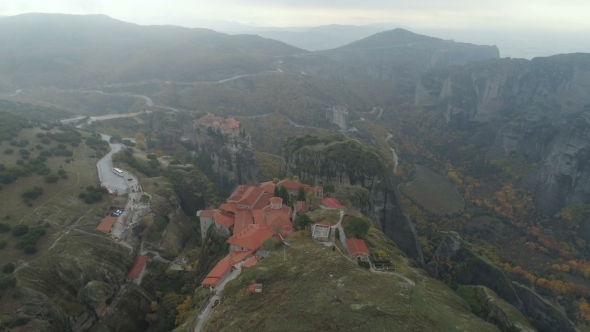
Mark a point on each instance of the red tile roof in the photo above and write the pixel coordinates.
(258, 220)
(137, 267)
(278, 218)
(331, 203)
(242, 220)
(253, 260)
(206, 213)
(251, 238)
(263, 201)
(301, 206)
(229, 207)
(224, 219)
(223, 267)
(106, 224)
(250, 196)
(210, 281)
(238, 256)
(292, 185)
(356, 247)
(268, 187)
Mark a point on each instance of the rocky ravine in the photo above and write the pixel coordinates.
(345, 161)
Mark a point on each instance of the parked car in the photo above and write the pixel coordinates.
(215, 304)
(117, 213)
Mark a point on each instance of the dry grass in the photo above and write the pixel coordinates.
(59, 204)
(317, 289)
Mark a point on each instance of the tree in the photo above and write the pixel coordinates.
(20, 230)
(284, 194)
(8, 268)
(301, 194)
(329, 188)
(276, 194)
(358, 227)
(301, 221)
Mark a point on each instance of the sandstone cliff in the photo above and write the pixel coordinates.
(227, 160)
(344, 161)
(563, 177)
(502, 89)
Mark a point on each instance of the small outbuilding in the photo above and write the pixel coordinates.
(321, 231)
(357, 249)
(106, 224)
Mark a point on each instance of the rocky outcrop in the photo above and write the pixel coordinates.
(489, 306)
(227, 158)
(83, 277)
(402, 56)
(544, 316)
(563, 177)
(475, 269)
(500, 89)
(338, 115)
(343, 161)
(193, 190)
(529, 136)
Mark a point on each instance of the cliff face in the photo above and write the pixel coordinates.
(500, 89)
(475, 269)
(563, 177)
(227, 158)
(344, 161)
(402, 56)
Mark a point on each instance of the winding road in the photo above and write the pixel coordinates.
(395, 158)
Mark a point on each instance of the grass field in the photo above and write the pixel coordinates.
(433, 192)
(316, 289)
(59, 204)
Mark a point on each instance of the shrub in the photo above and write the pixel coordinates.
(364, 264)
(24, 152)
(32, 193)
(67, 161)
(45, 140)
(40, 135)
(20, 162)
(61, 172)
(82, 195)
(30, 248)
(51, 178)
(31, 237)
(6, 282)
(4, 228)
(20, 230)
(8, 151)
(2, 244)
(155, 237)
(8, 268)
(161, 223)
(46, 153)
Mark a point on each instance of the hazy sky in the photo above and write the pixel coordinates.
(565, 15)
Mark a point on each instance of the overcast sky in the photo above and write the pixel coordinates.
(564, 15)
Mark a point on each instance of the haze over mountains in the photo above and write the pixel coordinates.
(457, 166)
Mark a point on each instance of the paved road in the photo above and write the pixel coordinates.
(203, 316)
(105, 169)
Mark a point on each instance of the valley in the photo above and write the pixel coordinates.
(463, 173)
